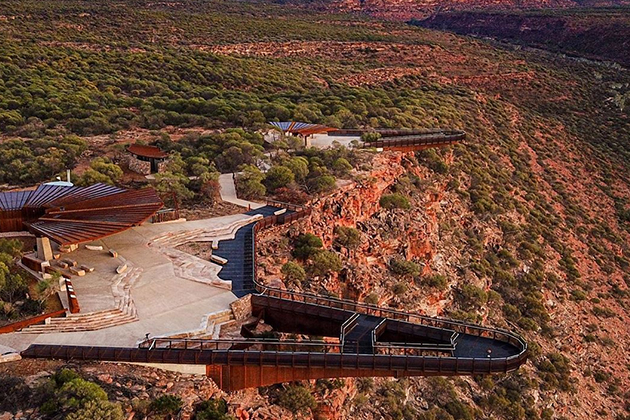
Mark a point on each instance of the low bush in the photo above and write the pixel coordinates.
(394, 201)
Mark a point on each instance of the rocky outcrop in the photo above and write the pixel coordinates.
(355, 202)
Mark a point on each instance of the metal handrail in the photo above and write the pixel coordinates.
(394, 314)
(295, 346)
(377, 330)
(348, 325)
(289, 206)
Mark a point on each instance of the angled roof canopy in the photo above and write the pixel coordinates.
(302, 128)
(73, 214)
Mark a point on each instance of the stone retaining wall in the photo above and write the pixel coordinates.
(139, 166)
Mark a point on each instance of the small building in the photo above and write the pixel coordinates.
(147, 160)
(301, 129)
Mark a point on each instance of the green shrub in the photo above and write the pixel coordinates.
(372, 298)
(370, 136)
(399, 288)
(97, 410)
(347, 237)
(167, 404)
(278, 177)
(603, 312)
(293, 273)
(472, 296)
(323, 262)
(306, 245)
(578, 295)
(394, 201)
(402, 267)
(249, 183)
(297, 399)
(437, 281)
(341, 167)
(212, 409)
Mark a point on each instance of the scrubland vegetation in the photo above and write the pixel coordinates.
(532, 212)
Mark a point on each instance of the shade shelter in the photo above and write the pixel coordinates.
(71, 215)
(301, 128)
(146, 159)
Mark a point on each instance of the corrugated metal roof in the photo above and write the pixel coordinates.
(75, 214)
(305, 129)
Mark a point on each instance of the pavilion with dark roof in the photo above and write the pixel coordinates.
(301, 128)
(70, 215)
(146, 160)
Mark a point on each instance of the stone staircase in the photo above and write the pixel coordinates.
(123, 312)
(121, 289)
(193, 268)
(82, 322)
(210, 327)
(174, 239)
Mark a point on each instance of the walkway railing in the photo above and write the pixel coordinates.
(415, 140)
(458, 327)
(294, 346)
(376, 363)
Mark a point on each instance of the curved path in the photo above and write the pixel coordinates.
(372, 341)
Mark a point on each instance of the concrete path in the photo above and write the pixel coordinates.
(228, 193)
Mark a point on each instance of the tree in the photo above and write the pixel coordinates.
(293, 273)
(297, 399)
(299, 167)
(101, 170)
(394, 201)
(370, 137)
(172, 187)
(249, 182)
(306, 245)
(210, 187)
(323, 262)
(347, 237)
(278, 177)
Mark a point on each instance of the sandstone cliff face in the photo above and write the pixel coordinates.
(354, 202)
(596, 36)
(414, 9)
